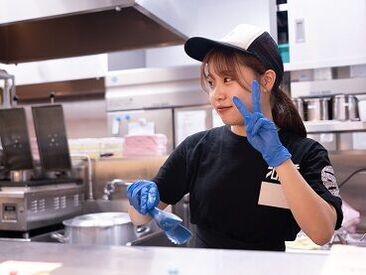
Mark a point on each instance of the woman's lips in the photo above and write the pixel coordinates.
(223, 109)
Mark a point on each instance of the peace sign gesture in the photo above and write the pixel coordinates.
(262, 132)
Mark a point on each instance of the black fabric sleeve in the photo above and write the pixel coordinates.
(172, 177)
(319, 173)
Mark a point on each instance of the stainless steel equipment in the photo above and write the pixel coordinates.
(313, 109)
(15, 139)
(24, 208)
(325, 108)
(111, 186)
(299, 104)
(30, 198)
(7, 88)
(109, 228)
(353, 110)
(20, 175)
(317, 108)
(118, 24)
(51, 137)
(345, 107)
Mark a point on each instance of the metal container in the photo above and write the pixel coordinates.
(299, 104)
(108, 228)
(313, 109)
(345, 107)
(20, 175)
(340, 107)
(317, 108)
(362, 107)
(353, 113)
(325, 108)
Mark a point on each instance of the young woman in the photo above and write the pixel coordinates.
(255, 182)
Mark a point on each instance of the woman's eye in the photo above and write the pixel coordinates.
(227, 79)
(210, 83)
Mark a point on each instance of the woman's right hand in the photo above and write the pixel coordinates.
(143, 195)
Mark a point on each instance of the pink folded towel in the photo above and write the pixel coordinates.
(145, 145)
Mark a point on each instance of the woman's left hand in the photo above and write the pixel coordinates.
(262, 132)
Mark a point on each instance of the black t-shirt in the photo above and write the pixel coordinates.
(223, 174)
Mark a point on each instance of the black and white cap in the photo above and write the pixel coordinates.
(247, 39)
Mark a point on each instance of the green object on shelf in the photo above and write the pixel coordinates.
(284, 52)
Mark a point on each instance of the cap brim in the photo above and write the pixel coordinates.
(199, 47)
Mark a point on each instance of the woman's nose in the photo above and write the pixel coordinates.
(218, 92)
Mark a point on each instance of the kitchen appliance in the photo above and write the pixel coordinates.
(108, 228)
(51, 137)
(15, 139)
(38, 203)
(45, 196)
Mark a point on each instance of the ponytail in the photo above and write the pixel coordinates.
(285, 114)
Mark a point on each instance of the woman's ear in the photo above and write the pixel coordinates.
(268, 79)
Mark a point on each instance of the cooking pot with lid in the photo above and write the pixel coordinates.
(107, 228)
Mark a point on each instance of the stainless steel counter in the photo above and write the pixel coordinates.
(148, 260)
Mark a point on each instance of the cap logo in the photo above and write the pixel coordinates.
(240, 38)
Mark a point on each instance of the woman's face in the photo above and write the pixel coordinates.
(223, 88)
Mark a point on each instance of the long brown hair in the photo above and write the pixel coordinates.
(228, 62)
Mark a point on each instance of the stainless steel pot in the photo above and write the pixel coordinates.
(313, 109)
(353, 113)
(345, 107)
(107, 228)
(317, 108)
(299, 104)
(20, 175)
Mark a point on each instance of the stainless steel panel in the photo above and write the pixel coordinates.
(328, 87)
(333, 126)
(154, 88)
(118, 25)
(97, 260)
(39, 206)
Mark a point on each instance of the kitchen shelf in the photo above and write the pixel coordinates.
(331, 126)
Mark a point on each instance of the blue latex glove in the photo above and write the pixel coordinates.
(262, 132)
(143, 195)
